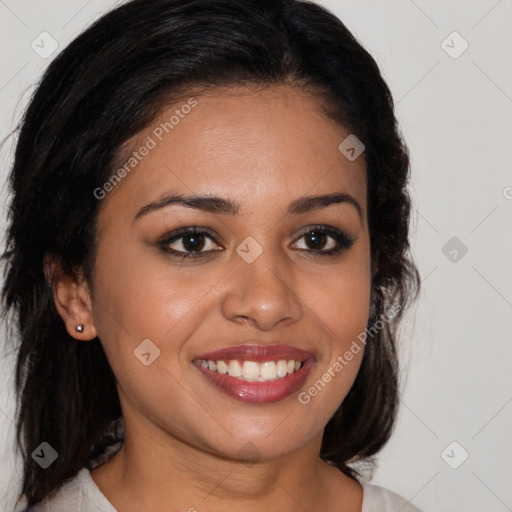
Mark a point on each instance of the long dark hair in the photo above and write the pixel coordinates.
(105, 87)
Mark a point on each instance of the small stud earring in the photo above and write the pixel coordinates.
(79, 328)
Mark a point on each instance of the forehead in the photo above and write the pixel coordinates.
(243, 144)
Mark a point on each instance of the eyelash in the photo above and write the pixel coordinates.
(344, 241)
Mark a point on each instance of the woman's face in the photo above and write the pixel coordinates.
(258, 285)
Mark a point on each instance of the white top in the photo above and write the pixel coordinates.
(81, 494)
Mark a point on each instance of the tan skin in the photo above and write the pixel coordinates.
(183, 438)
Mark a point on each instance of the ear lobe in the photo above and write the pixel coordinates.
(72, 299)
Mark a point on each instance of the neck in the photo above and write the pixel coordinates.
(158, 471)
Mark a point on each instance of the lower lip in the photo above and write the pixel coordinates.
(259, 392)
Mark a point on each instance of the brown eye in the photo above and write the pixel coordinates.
(317, 238)
(188, 243)
(193, 242)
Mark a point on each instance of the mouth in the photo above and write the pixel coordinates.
(252, 371)
(258, 374)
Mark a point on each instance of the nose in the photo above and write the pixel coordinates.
(262, 293)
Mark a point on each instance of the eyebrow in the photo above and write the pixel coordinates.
(214, 204)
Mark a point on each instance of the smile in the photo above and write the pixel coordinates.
(258, 374)
(251, 371)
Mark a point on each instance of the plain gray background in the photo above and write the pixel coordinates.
(455, 108)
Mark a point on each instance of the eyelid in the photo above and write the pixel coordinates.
(180, 233)
(327, 229)
(186, 230)
(343, 240)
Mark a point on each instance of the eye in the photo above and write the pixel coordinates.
(317, 240)
(193, 242)
(188, 243)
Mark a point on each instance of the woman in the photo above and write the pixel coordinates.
(207, 261)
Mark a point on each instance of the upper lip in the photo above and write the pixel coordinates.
(257, 353)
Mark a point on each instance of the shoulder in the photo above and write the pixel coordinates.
(79, 493)
(379, 499)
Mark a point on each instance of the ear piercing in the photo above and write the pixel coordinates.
(79, 328)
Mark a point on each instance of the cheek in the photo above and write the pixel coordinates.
(342, 301)
(343, 307)
(146, 296)
(346, 319)
(342, 304)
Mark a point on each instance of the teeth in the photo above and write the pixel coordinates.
(222, 367)
(252, 371)
(234, 368)
(268, 370)
(282, 368)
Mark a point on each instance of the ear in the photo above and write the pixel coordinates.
(72, 299)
